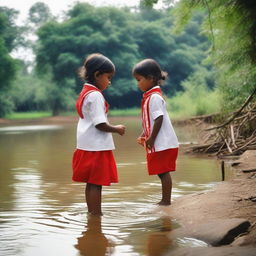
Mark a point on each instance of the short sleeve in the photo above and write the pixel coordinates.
(96, 108)
(156, 106)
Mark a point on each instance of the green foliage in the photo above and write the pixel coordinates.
(7, 66)
(60, 98)
(28, 91)
(7, 42)
(33, 93)
(8, 30)
(148, 3)
(39, 13)
(125, 37)
(8, 34)
(230, 24)
(236, 85)
(6, 104)
(125, 112)
(27, 115)
(197, 98)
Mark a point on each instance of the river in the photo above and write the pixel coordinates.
(42, 212)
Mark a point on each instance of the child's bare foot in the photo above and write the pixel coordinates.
(164, 203)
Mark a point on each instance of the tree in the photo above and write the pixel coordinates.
(231, 26)
(39, 13)
(29, 92)
(63, 45)
(124, 36)
(8, 35)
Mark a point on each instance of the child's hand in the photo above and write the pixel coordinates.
(141, 141)
(150, 143)
(120, 129)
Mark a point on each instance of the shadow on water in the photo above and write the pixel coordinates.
(42, 212)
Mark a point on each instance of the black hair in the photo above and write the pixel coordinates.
(93, 63)
(149, 68)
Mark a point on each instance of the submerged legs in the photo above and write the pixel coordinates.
(93, 198)
(166, 181)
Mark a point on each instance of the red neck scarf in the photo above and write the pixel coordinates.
(145, 109)
(85, 91)
(149, 93)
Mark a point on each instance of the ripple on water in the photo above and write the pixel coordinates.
(191, 242)
(28, 128)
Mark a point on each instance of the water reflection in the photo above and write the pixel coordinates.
(159, 243)
(93, 242)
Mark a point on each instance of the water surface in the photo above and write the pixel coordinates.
(42, 212)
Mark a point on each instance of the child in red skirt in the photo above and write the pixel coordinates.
(93, 161)
(158, 135)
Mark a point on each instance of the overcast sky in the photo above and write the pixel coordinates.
(57, 7)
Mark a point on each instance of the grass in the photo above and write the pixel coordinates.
(188, 104)
(42, 114)
(28, 115)
(125, 112)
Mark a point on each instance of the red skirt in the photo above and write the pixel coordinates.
(95, 167)
(162, 161)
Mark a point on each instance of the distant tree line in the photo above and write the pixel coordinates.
(124, 35)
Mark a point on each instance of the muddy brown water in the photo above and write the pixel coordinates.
(42, 212)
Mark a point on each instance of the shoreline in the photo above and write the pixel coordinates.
(54, 119)
(41, 120)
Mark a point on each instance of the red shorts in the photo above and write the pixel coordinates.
(162, 161)
(95, 167)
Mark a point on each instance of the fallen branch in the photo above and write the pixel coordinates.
(236, 113)
(234, 137)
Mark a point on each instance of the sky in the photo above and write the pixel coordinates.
(57, 7)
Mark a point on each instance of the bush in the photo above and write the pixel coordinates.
(196, 99)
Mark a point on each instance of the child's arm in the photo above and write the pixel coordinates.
(156, 128)
(104, 127)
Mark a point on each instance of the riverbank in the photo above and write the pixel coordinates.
(40, 121)
(225, 217)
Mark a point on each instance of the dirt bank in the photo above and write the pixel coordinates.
(225, 215)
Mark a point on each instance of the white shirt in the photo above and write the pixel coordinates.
(88, 136)
(166, 137)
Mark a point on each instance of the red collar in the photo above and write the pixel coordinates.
(88, 88)
(151, 91)
(148, 93)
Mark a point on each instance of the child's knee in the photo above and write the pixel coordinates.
(164, 175)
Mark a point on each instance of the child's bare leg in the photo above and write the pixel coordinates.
(94, 198)
(166, 181)
(87, 192)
